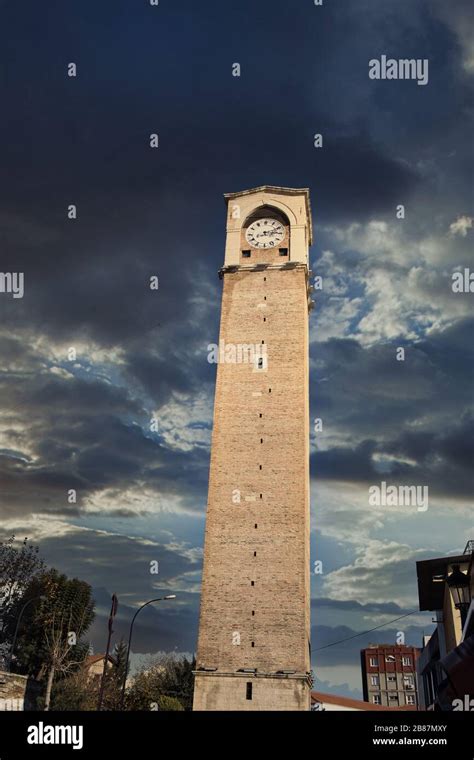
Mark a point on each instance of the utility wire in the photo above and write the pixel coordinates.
(362, 633)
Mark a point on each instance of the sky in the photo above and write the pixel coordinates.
(90, 354)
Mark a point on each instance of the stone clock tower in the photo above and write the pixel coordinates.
(254, 630)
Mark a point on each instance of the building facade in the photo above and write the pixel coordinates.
(389, 675)
(254, 630)
(446, 663)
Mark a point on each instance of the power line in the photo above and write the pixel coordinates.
(362, 633)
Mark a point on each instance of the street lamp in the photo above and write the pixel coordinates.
(458, 583)
(160, 599)
(33, 599)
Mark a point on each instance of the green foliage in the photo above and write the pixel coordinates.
(167, 683)
(18, 565)
(67, 607)
(76, 692)
(170, 703)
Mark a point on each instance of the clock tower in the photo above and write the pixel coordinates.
(254, 628)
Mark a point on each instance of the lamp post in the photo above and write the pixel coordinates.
(458, 583)
(151, 601)
(33, 599)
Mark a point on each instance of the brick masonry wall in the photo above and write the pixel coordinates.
(279, 598)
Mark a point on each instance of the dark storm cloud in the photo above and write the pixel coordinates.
(369, 397)
(83, 435)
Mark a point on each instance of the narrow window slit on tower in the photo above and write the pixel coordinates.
(248, 691)
(261, 415)
(252, 583)
(255, 553)
(246, 254)
(260, 466)
(264, 319)
(261, 495)
(255, 524)
(253, 643)
(260, 363)
(253, 612)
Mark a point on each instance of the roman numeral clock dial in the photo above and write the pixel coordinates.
(265, 233)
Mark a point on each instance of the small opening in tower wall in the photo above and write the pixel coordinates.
(260, 466)
(255, 553)
(260, 415)
(252, 583)
(260, 364)
(248, 691)
(246, 254)
(255, 524)
(261, 440)
(264, 279)
(264, 319)
(253, 643)
(253, 612)
(283, 251)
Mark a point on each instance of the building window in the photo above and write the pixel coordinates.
(374, 680)
(255, 553)
(264, 279)
(390, 658)
(255, 524)
(408, 681)
(393, 697)
(283, 251)
(373, 662)
(261, 495)
(406, 661)
(260, 364)
(252, 583)
(253, 643)
(260, 415)
(377, 699)
(264, 319)
(246, 254)
(260, 466)
(391, 678)
(410, 699)
(248, 692)
(253, 613)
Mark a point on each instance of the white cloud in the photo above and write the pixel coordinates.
(461, 225)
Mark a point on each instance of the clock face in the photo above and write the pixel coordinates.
(265, 233)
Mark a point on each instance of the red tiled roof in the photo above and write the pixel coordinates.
(93, 658)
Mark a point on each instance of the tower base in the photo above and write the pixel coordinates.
(251, 691)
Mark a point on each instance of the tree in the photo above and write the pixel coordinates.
(18, 565)
(49, 640)
(166, 685)
(114, 678)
